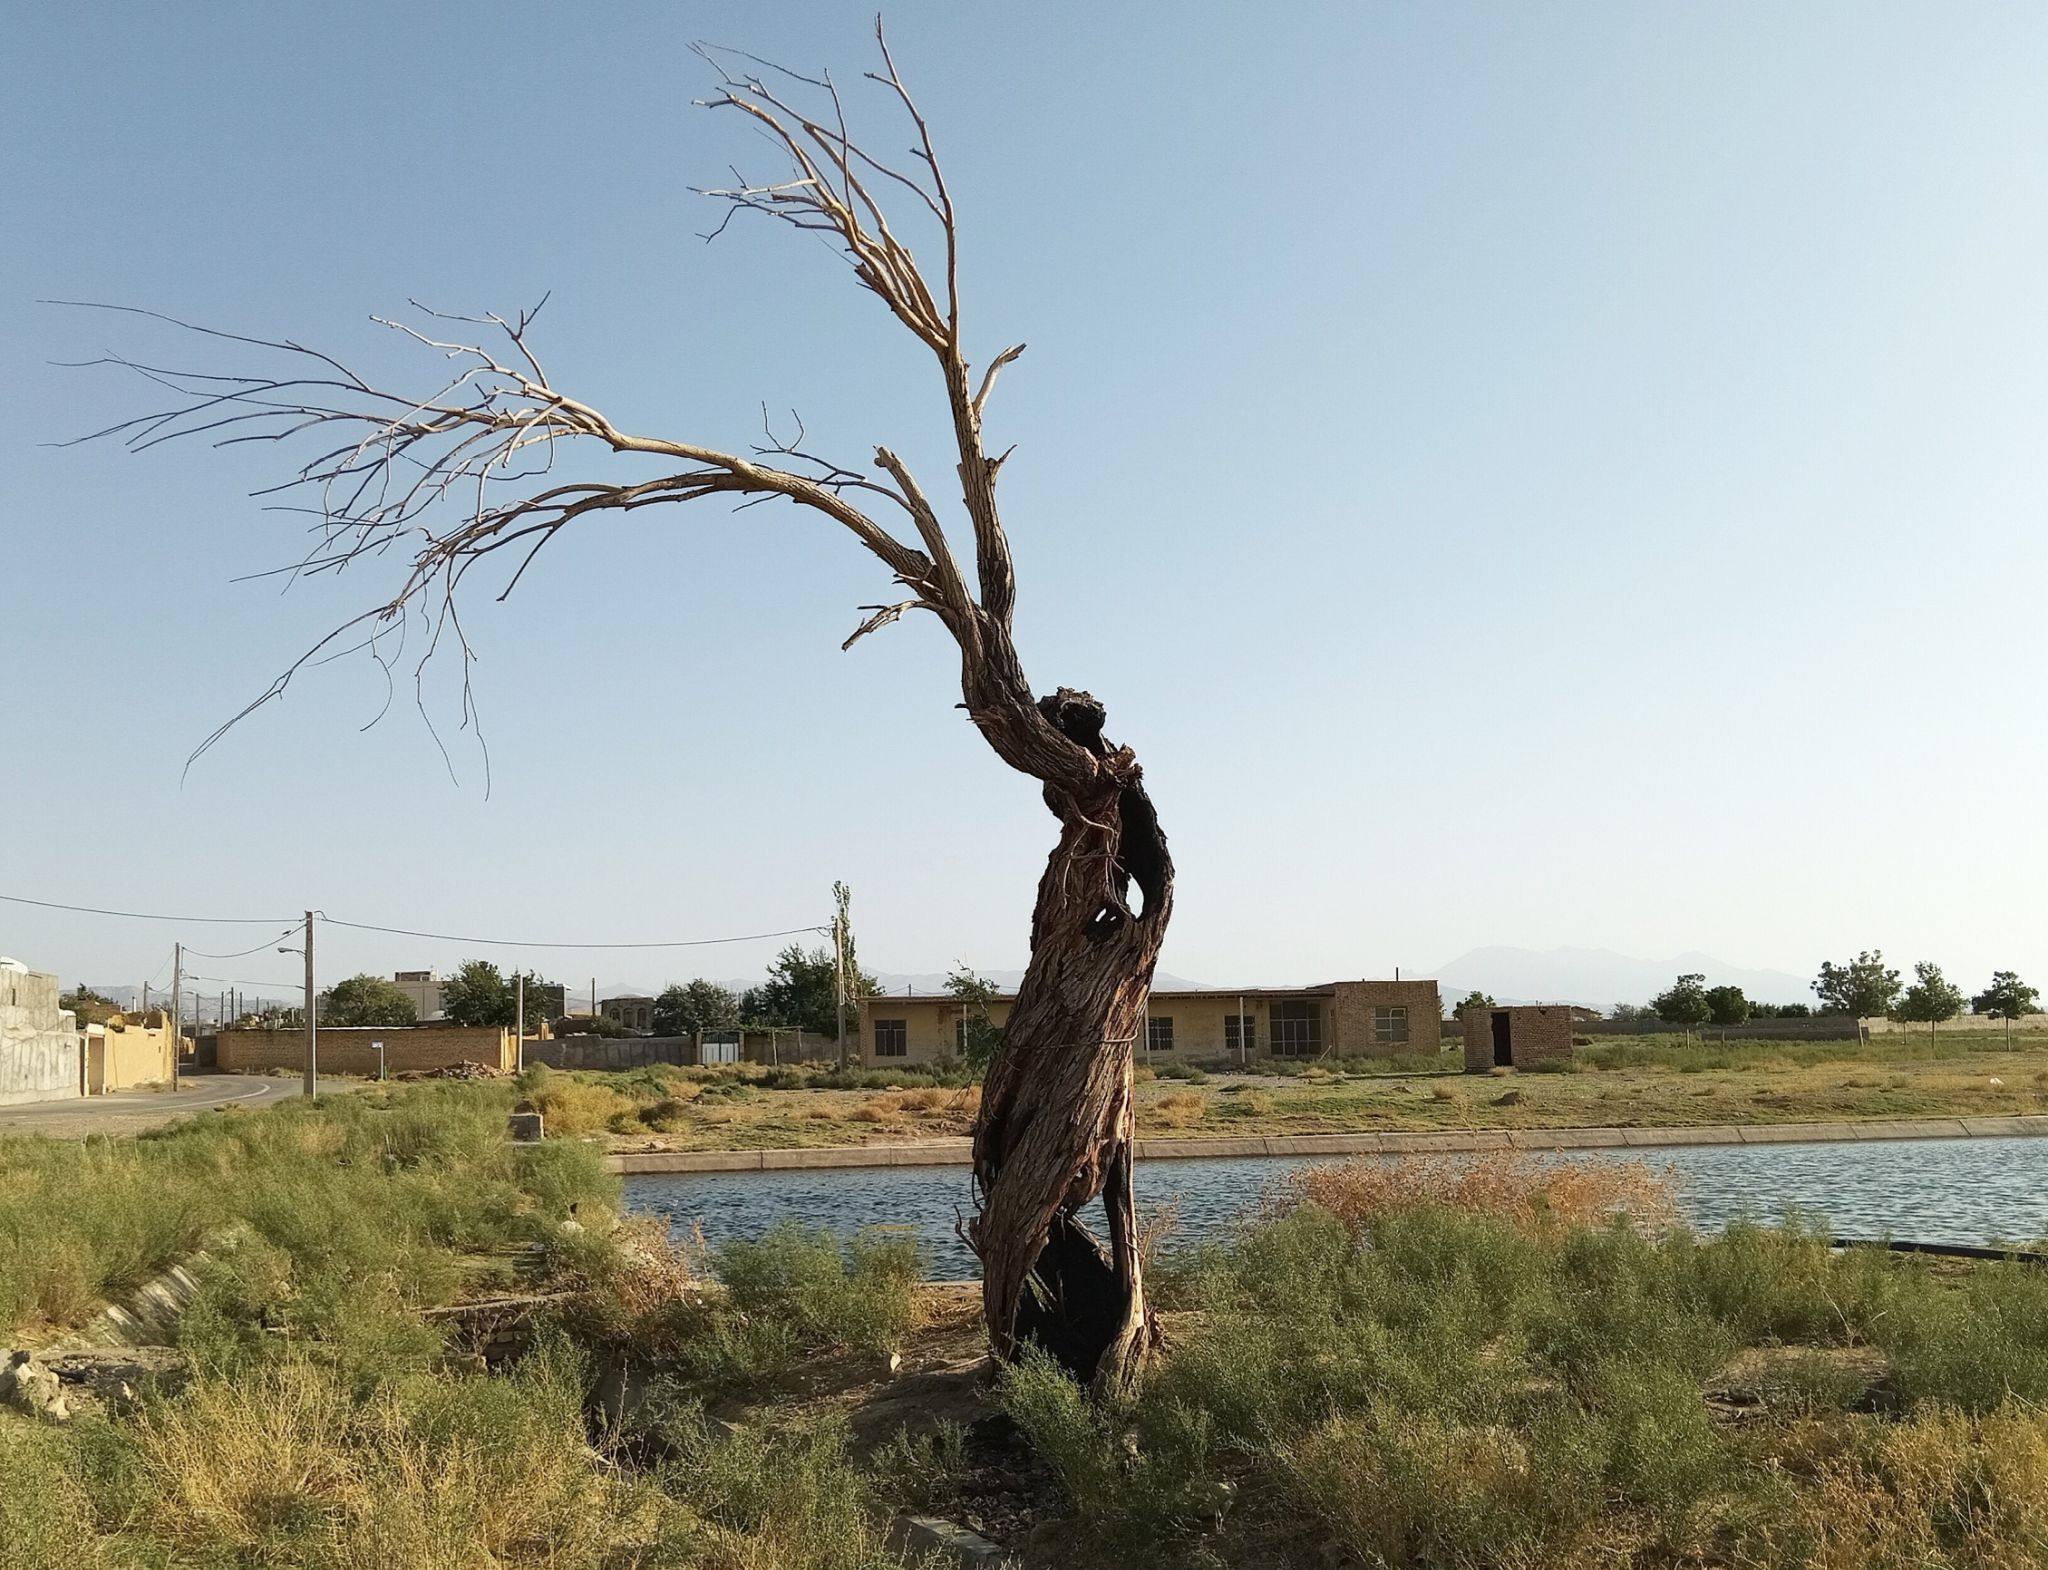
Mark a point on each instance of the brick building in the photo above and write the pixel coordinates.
(1521, 1035)
(351, 1049)
(1342, 1019)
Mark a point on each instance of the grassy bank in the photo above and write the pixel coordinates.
(325, 1423)
(1453, 1379)
(1647, 1082)
(1435, 1364)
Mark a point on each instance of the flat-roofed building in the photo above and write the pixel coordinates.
(1341, 1019)
(630, 1010)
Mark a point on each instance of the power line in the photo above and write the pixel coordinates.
(138, 915)
(291, 925)
(241, 953)
(509, 943)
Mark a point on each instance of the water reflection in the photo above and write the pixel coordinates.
(1938, 1191)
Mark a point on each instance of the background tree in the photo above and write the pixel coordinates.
(1475, 999)
(366, 1000)
(1932, 997)
(1685, 1003)
(90, 1007)
(802, 992)
(694, 1006)
(478, 994)
(1726, 1006)
(1863, 988)
(980, 1035)
(475, 461)
(2008, 998)
(1630, 1013)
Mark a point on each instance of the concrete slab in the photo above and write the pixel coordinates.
(1323, 1144)
(1796, 1133)
(1912, 1128)
(2003, 1127)
(1565, 1138)
(1656, 1138)
(938, 1153)
(1462, 1142)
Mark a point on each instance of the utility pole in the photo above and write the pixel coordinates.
(519, 1015)
(177, 1007)
(839, 981)
(312, 1025)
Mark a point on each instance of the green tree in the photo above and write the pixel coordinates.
(1863, 988)
(2007, 998)
(1475, 999)
(1932, 997)
(799, 992)
(697, 1005)
(1685, 1003)
(366, 1000)
(91, 1008)
(478, 994)
(1726, 1006)
(980, 1035)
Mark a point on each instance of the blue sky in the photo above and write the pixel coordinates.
(1541, 476)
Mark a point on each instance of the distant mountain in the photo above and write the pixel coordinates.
(1600, 978)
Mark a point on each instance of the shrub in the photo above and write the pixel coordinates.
(1527, 1192)
(861, 1295)
(1175, 1111)
(1181, 1071)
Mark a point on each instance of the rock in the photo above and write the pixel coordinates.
(29, 1386)
(1512, 1098)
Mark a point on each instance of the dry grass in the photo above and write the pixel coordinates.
(929, 1102)
(1528, 1192)
(1178, 1110)
(574, 1106)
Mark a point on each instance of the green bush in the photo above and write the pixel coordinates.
(859, 1295)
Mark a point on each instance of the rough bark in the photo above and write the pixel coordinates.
(1055, 1129)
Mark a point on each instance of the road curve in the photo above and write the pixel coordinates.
(134, 1111)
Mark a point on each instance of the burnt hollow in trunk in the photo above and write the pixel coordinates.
(1055, 1128)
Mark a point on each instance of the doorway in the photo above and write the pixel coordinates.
(1503, 1040)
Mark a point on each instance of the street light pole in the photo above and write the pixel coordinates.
(312, 1022)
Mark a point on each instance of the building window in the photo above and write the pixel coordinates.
(1297, 1030)
(1241, 1033)
(892, 1038)
(1390, 1026)
(1159, 1033)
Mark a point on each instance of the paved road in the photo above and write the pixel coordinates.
(133, 1111)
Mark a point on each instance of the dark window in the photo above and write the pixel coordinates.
(1243, 1028)
(1297, 1030)
(1159, 1033)
(1390, 1026)
(892, 1038)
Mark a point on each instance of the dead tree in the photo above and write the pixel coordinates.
(452, 479)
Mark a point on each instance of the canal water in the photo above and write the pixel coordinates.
(1928, 1190)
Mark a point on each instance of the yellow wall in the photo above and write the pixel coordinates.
(931, 1023)
(138, 1055)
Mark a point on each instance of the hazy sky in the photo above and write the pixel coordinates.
(1528, 475)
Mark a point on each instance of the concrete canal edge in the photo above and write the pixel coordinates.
(958, 1152)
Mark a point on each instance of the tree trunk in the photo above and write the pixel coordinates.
(1055, 1128)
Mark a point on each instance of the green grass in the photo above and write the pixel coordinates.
(379, 1192)
(325, 1427)
(1438, 1389)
